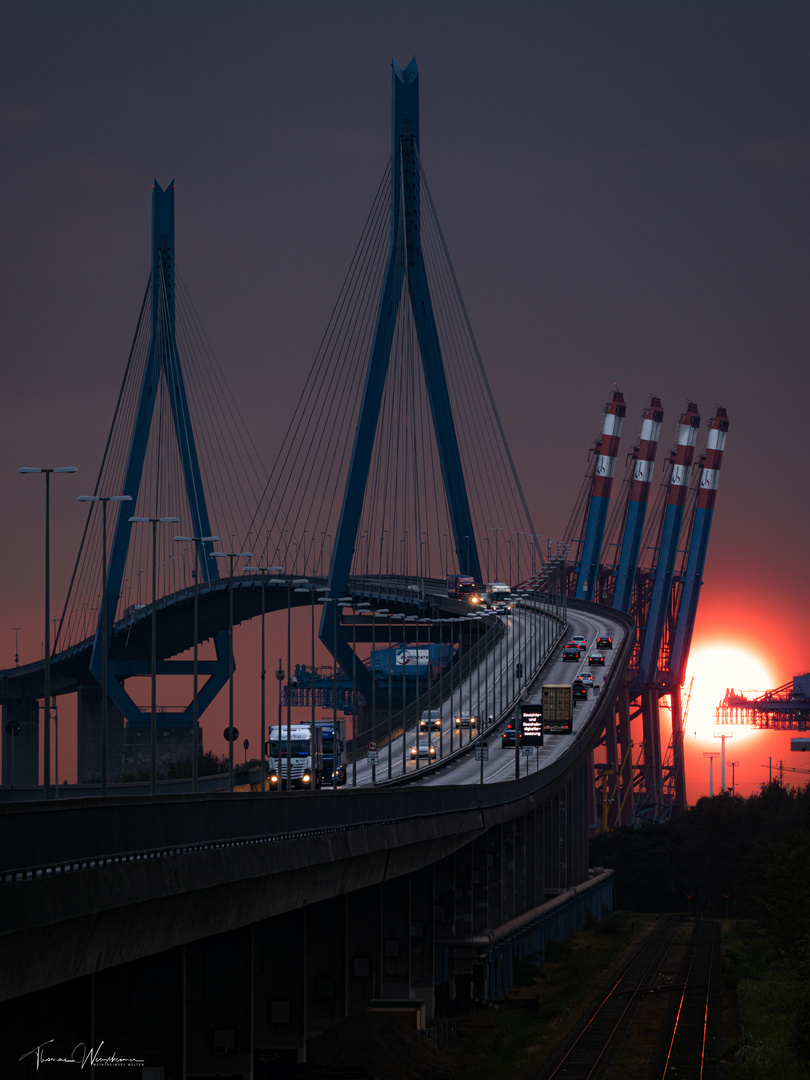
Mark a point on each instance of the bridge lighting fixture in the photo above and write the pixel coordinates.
(46, 740)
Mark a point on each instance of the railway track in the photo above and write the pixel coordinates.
(688, 1028)
(670, 978)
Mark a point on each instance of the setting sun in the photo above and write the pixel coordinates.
(715, 669)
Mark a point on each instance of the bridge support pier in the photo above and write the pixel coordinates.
(21, 750)
(279, 999)
(625, 792)
(88, 725)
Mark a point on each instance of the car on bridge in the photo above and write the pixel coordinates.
(596, 659)
(508, 735)
(585, 677)
(466, 720)
(604, 643)
(580, 642)
(579, 690)
(571, 652)
(423, 747)
(430, 720)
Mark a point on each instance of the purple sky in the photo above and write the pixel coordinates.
(623, 188)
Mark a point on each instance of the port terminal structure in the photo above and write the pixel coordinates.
(647, 558)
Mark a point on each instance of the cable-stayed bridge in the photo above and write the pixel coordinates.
(419, 878)
(393, 473)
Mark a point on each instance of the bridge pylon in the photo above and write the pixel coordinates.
(405, 275)
(162, 363)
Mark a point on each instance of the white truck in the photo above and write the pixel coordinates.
(497, 591)
(303, 766)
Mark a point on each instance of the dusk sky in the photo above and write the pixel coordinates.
(623, 188)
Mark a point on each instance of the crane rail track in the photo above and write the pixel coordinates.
(685, 1033)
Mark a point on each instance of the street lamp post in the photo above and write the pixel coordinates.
(104, 499)
(419, 694)
(396, 615)
(46, 740)
(334, 601)
(412, 619)
(354, 694)
(264, 571)
(390, 751)
(289, 582)
(404, 689)
(153, 733)
(195, 725)
(335, 722)
(310, 588)
(374, 613)
(230, 556)
(496, 531)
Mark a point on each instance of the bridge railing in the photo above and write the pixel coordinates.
(40, 835)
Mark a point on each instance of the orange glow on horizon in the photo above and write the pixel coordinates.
(716, 668)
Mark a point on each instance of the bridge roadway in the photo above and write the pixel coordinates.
(91, 884)
(489, 693)
(132, 636)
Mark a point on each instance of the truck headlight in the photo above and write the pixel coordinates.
(306, 778)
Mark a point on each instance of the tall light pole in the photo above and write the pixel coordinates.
(155, 521)
(310, 588)
(46, 741)
(395, 615)
(496, 531)
(230, 555)
(733, 764)
(264, 571)
(195, 726)
(390, 751)
(404, 618)
(723, 736)
(711, 755)
(104, 499)
(412, 619)
(374, 613)
(335, 722)
(354, 694)
(335, 728)
(289, 582)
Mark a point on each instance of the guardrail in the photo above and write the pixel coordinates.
(37, 837)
